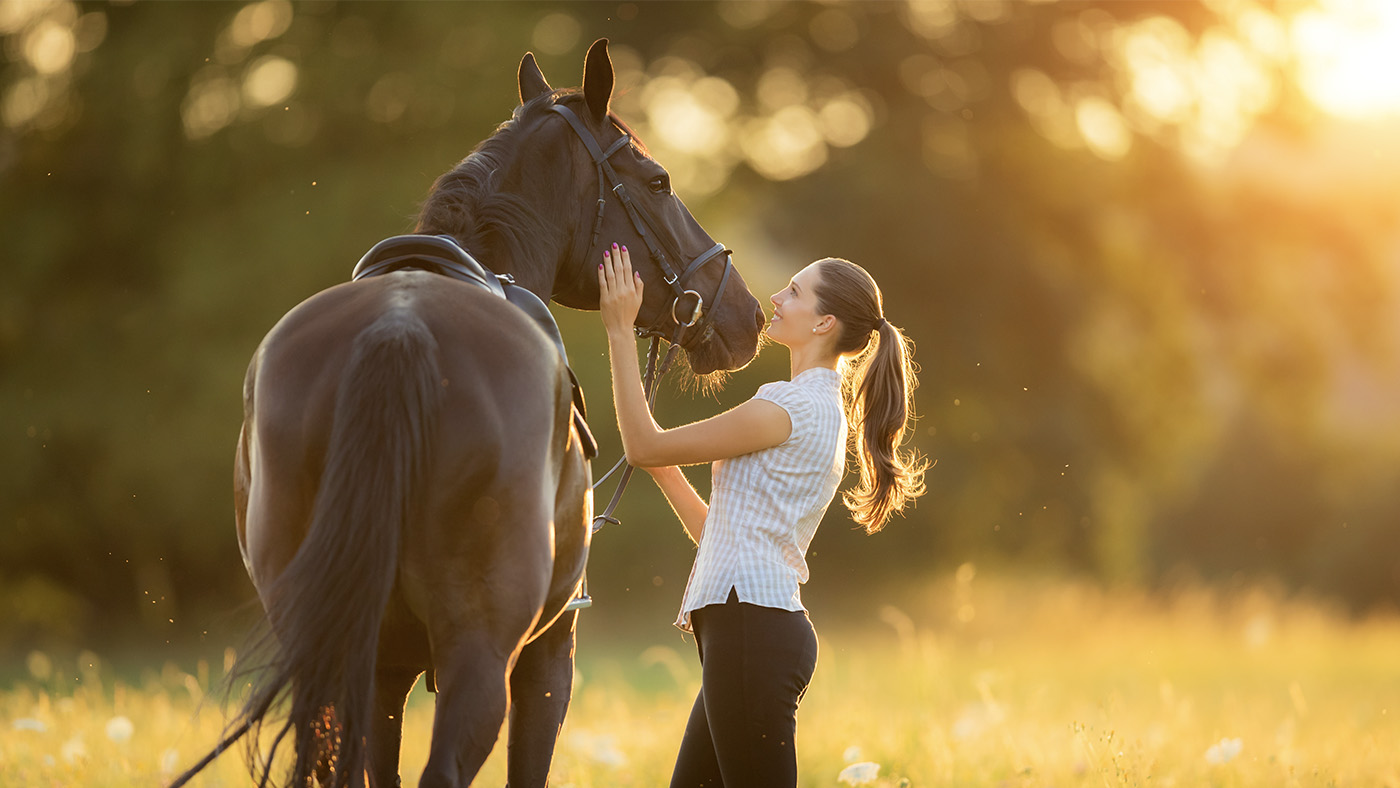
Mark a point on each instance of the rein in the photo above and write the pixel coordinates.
(651, 382)
(696, 317)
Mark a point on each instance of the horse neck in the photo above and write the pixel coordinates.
(532, 263)
(503, 234)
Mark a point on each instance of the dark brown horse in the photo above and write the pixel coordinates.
(411, 492)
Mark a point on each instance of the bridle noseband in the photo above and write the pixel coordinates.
(697, 317)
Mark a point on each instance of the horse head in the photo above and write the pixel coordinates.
(565, 177)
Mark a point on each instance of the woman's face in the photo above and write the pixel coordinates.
(795, 309)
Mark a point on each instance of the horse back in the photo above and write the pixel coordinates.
(502, 428)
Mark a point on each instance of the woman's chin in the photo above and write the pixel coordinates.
(774, 333)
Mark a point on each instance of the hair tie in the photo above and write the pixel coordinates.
(883, 322)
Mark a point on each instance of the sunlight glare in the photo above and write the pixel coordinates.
(1349, 55)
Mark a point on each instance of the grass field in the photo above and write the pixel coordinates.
(968, 681)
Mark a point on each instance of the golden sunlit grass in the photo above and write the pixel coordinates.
(968, 682)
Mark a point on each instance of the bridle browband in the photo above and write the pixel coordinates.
(698, 317)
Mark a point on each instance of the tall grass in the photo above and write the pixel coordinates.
(966, 681)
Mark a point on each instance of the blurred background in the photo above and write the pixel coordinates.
(1149, 253)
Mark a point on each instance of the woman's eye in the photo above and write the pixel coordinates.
(661, 185)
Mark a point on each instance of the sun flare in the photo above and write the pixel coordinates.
(1349, 55)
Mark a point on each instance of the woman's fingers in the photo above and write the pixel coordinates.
(620, 288)
(626, 274)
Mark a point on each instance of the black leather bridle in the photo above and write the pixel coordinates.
(696, 318)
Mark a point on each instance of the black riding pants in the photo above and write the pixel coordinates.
(755, 664)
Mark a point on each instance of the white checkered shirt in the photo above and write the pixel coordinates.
(765, 507)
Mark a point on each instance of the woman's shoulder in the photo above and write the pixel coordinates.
(806, 396)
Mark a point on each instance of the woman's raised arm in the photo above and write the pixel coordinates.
(754, 425)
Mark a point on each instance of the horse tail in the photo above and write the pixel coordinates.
(326, 608)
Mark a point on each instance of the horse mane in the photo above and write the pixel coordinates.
(465, 202)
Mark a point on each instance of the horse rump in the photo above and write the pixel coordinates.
(317, 651)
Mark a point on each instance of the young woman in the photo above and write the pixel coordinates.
(778, 459)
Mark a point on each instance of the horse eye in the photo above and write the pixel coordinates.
(661, 185)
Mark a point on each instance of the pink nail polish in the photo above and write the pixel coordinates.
(624, 248)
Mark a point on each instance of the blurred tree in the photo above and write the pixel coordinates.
(1153, 287)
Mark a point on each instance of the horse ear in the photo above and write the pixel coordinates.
(531, 79)
(598, 78)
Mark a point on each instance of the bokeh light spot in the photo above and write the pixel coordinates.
(834, 30)
(260, 22)
(211, 104)
(49, 47)
(1103, 128)
(785, 145)
(269, 80)
(90, 30)
(685, 123)
(389, 98)
(24, 100)
(932, 19)
(556, 34)
(15, 14)
(845, 120)
(781, 87)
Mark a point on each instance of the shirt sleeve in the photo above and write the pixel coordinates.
(791, 399)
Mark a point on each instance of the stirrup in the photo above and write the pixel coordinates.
(581, 599)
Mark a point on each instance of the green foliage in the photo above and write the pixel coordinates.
(1134, 358)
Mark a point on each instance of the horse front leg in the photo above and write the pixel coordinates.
(540, 688)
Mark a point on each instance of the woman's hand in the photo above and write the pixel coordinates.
(620, 291)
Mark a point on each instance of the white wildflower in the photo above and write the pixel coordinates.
(169, 760)
(1224, 751)
(73, 750)
(119, 729)
(599, 747)
(852, 754)
(859, 773)
(977, 718)
(30, 724)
